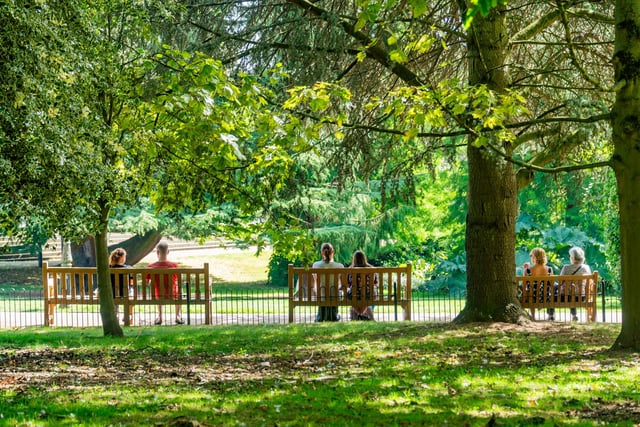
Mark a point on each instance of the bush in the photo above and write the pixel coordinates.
(277, 275)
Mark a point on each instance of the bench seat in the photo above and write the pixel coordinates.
(541, 292)
(328, 287)
(78, 286)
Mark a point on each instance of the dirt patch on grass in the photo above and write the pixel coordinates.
(31, 369)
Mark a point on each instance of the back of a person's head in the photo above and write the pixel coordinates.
(327, 252)
(163, 247)
(577, 254)
(539, 255)
(359, 259)
(116, 256)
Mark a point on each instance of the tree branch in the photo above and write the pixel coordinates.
(572, 52)
(536, 168)
(374, 49)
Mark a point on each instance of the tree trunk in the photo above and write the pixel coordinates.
(626, 163)
(110, 323)
(137, 247)
(84, 254)
(492, 193)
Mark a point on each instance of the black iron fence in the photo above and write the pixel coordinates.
(24, 307)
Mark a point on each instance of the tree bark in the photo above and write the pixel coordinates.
(492, 193)
(137, 247)
(110, 323)
(626, 163)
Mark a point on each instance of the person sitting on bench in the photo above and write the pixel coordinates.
(577, 267)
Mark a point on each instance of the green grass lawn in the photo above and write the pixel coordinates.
(353, 374)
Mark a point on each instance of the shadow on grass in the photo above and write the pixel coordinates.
(319, 374)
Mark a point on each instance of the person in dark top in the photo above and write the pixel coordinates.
(361, 287)
(119, 282)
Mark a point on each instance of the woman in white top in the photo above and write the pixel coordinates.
(326, 313)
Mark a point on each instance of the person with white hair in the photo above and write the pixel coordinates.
(577, 267)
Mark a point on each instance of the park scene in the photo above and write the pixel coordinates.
(295, 213)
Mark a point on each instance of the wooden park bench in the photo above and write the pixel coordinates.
(327, 287)
(78, 286)
(579, 291)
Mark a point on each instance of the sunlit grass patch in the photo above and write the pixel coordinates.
(352, 374)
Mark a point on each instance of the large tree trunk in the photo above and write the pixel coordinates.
(626, 163)
(110, 323)
(492, 193)
(137, 247)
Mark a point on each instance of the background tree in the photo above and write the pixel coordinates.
(624, 119)
(559, 113)
(626, 161)
(203, 144)
(128, 119)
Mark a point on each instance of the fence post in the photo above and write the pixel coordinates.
(188, 303)
(395, 300)
(604, 299)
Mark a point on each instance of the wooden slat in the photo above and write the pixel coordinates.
(327, 287)
(538, 292)
(77, 285)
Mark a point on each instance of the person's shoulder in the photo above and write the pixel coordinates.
(163, 264)
(317, 264)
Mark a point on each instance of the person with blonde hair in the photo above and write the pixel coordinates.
(118, 259)
(538, 267)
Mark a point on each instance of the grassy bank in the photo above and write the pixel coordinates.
(356, 374)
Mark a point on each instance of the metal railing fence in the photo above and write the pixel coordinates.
(22, 307)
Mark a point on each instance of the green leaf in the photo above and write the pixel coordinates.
(418, 7)
(360, 23)
(398, 56)
(319, 103)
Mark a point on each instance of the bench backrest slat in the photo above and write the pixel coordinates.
(310, 284)
(80, 283)
(569, 286)
(570, 291)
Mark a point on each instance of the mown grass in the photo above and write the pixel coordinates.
(353, 374)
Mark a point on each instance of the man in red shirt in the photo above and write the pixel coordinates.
(161, 288)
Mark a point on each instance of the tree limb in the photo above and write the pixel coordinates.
(373, 48)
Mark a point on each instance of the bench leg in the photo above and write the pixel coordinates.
(407, 311)
(128, 314)
(51, 313)
(208, 313)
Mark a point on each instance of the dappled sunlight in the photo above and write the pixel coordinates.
(316, 373)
